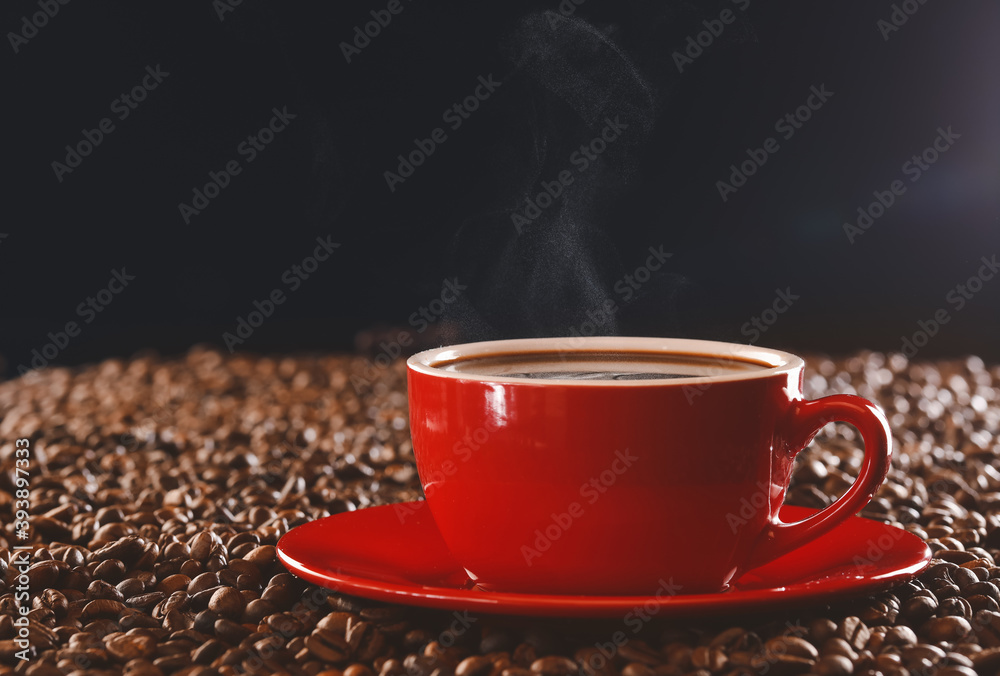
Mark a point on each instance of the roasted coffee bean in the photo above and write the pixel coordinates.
(101, 609)
(637, 651)
(834, 665)
(56, 601)
(262, 556)
(328, 646)
(476, 665)
(257, 610)
(365, 640)
(126, 550)
(919, 607)
(946, 629)
(357, 670)
(204, 621)
(44, 574)
(854, 631)
(98, 589)
(987, 661)
(125, 647)
(838, 646)
(957, 606)
(230, 631)
(710, 659)
(202, 582)
(146, 601)
(227, 602)
(790, 645)
(130, 587)
(110, 570)
(554, 665)
(173, 583)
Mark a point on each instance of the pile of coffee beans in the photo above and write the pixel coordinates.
(159, 489)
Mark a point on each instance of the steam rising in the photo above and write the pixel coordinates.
(570, 82)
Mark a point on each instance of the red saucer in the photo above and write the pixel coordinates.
(394, 553)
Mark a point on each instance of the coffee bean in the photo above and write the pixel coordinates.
(110, 570)
(202, 582)
(713, 660)
(146, 601)
(176, 619)
(982, 588)
(44, 574)
(365, 640)
(328, 646)
(957, 606)
(262, 556)
(98, 589)
(257, 610)
(900, 636)
(101, 609)
(56, 601)
(227, 602)
(127, 550)
(838, 646)
(987, 661)
(130, 587)
(553, 665)
(124, 647)
(834, 665)
(474, 666)
(854, 631)
(954, 556)
(946, 629)
(919, 607)
(204, 621)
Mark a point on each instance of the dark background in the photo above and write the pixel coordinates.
(562, 76)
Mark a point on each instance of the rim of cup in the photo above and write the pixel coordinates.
(774, 362)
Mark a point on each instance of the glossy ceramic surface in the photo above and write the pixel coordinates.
(597, 487)
(394, 553)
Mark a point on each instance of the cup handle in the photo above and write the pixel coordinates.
(803, 420)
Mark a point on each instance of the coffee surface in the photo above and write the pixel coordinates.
(578, 365)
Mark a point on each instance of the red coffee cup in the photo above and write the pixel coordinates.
(617, 486)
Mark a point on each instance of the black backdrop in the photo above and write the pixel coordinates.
(892, 79)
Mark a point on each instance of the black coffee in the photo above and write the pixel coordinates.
(580, 365)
